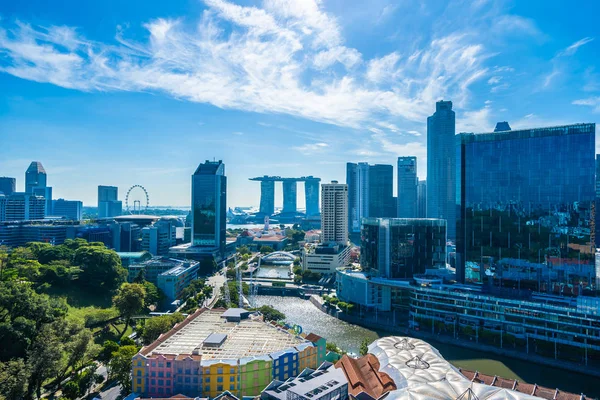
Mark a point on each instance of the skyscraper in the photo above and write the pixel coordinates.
(334, 213)
(35, 177)
(108, 202)
(381, 191)
(357, 179)
(422, 199)
(22, 207)
(525, 200)
(71, 209)
(311, 192)
(407, 187)
(46, 193)
(441, 165)
(370, 192)
(7, 185)
(209, 206)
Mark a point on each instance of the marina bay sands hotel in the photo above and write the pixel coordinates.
(267, 194)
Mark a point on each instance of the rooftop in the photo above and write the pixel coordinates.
(364, 376)
(310, 383)
(247, 338)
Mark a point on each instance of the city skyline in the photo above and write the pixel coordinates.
(509, 63)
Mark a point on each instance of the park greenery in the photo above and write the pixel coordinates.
(61, 308)
(304, 276)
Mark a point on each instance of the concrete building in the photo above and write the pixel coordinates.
(324, 383)
(154, 267)
(441, 165)
(526, 199)
(334, 213)
(7, 185)
(325, 258)
(108, 202)
(407, 188)
(35, 177)
(160, 237)
(15, 234)
(422, 199)
(173, 281)
(70, 209)
(46, 193)
(290, 194)
(210, 352)
(22, 207)
(209, 207)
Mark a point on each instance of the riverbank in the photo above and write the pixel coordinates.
(565, 365)
(349, 336)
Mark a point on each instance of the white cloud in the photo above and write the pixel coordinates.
(270, 59)
(517, 25)
(312, 148)
(499, 88)
(238, 133)
(400, 149)
(593, 102)
(535, 121)
(475, 121)
(572, 49)
(494, 80)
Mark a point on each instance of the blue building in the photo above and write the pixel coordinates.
(526, 208)
(173, 281)
(7, 185)
(35, 176)
(408, 183)
(70, 209)
(441, 165)
(209, 210)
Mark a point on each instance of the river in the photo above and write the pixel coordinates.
(348, 337)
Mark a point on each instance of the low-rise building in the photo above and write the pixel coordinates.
(22, 207)
(154, 266)
(324, 383)
(173, 281)
(70, 209)
(324, 258)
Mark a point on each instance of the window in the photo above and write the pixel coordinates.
(255, 366)
(232, 379)
(220, 388)
(168, 374)
(187, 372)
(139, 363)
(153, 373)
(207, 371)
(207, 388)
(195, 380)
(161, 374)
(231, 387)
(153, 364)
(139, 381)
(153, 381)
(276, 363)
(180, 371)
(179, 379)
(160, 390)
(219, 370)
(139, 372)
(160, 365)
(161, 382)
(168, 382)
(295, 356)
(219, 379)
(232, 371)
(187, 379)
(169, 364)
(207, 380)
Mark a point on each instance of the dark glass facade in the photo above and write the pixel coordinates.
(398, 248)
(209, 193)
(381, 191)
(525, 201)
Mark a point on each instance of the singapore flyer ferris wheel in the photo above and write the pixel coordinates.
(137, 200)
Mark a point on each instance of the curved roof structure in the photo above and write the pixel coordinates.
(420, 372)
(279, 256)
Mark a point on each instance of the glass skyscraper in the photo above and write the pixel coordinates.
(209, 205)
(526, 208)
(407, 187)
(381, 191)
(7, 185)
(398, 248)
(441, 165)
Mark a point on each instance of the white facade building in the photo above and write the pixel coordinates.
(334, 213)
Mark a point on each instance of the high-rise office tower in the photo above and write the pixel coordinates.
(46, 193)
(108, 202)
(407, 187)
(7, 185)
(525, 200)
(209, 206)
(381, 191)
(334, 213)
(370, 192)
(35, 177)
(398, 248)
(441, 165)
(357, 179)
(422, 199)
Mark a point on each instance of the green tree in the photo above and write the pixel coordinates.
(244, 250)
(120, 366)
(36, 247)
(14, 376)
(108, 348)
(129, 300)
(55, 253)
(79, 348)
(154, 296)
(71, 390)
(271, 314)
(85, 380)
(141, 276)
(101, 267)
(364, 347)
(266, 250)
(158, 325)
(43, 360)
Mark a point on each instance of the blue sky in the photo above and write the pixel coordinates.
(140, 92)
